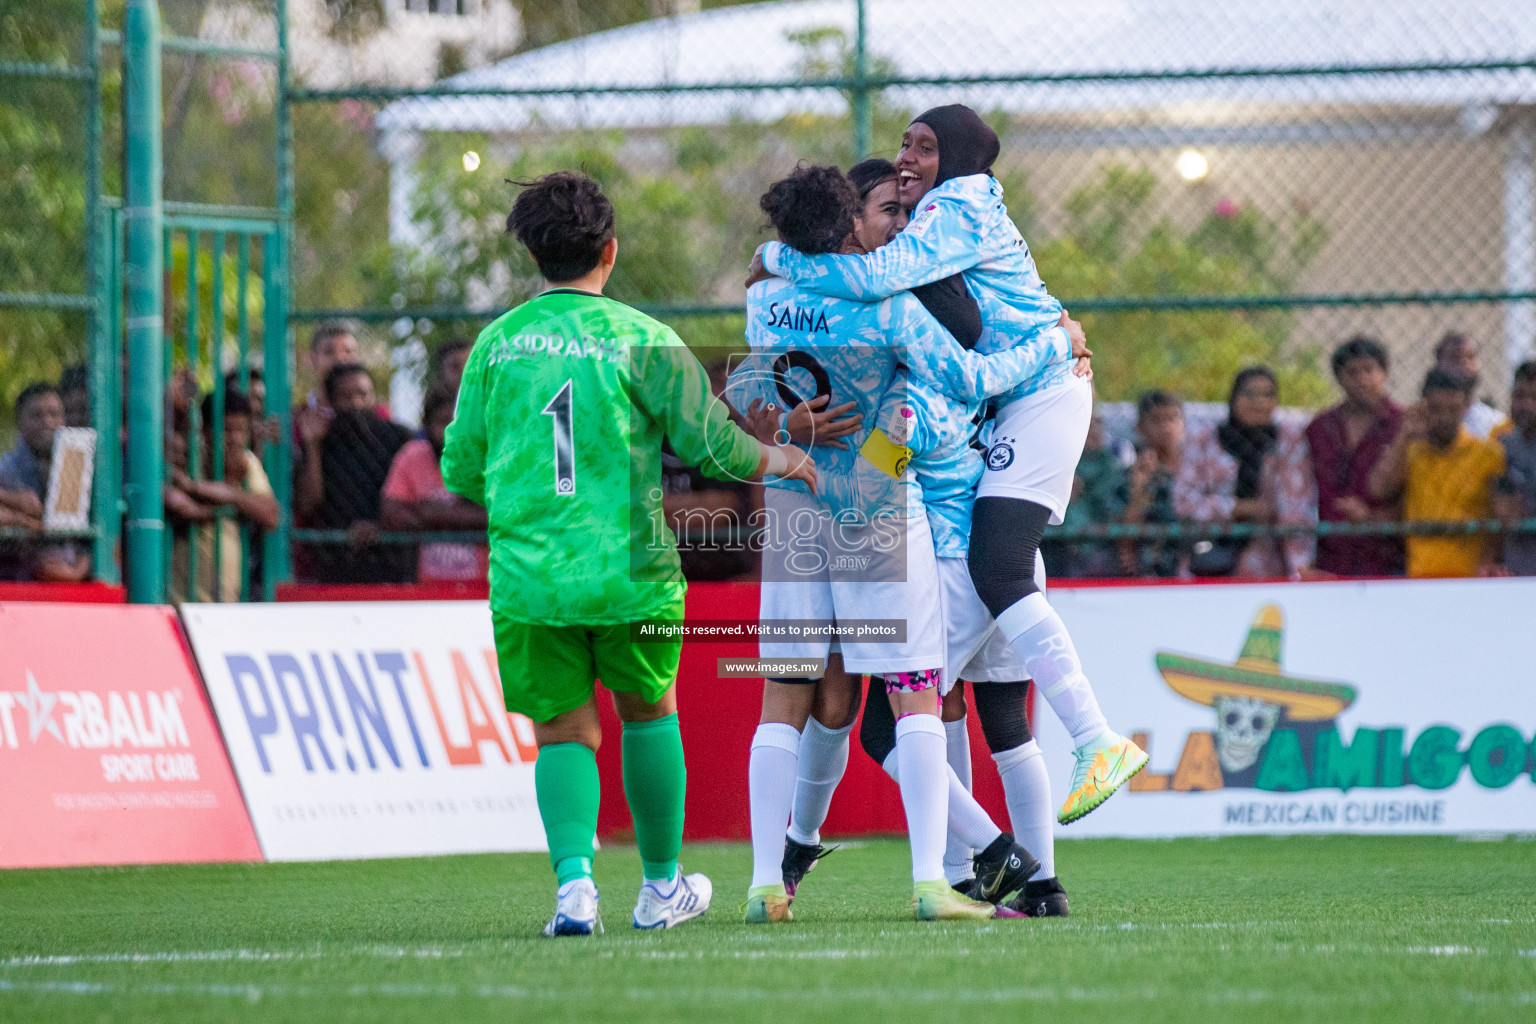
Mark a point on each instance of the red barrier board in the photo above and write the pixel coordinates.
(107, 744)
(69, 593)
(718, 718)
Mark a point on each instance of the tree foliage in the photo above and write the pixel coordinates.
(1113, 247)
(686, 200)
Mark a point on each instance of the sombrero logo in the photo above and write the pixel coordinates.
(1278, 732)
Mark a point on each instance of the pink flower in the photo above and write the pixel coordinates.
(1226, 209)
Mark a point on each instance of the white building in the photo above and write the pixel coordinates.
(1436, 169)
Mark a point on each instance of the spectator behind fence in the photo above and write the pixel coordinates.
(1346, 442)
(75, 393)
(1098, 498)
(23, 469)
(1517, 489)
(1443, 474)
(709, 516)
(1248, 469)
(1160, 448)
(447, 367)
(244, 489)
(264, 428)
(24, 474)
(344, 462)
(416, 500)
(332, 345)
(1460, 356)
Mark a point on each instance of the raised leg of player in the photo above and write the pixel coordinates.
(1036, 444)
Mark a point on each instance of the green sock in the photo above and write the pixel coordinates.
(565, 779)
(654, 783)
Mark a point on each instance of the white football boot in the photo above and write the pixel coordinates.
(576, 911)
(689, 898)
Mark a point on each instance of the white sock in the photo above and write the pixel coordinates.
(823, 759)
(771, 791)
(1038, 634)
(1027, 787)
(957, 751)
(924, 779)
(965, 819)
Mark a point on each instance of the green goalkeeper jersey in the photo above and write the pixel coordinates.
(558, 433)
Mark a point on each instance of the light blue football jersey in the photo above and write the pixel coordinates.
(806, 344)
(960, 226)
(939, 431)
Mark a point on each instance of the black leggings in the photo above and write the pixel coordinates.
(999, 706)
(1005, 537)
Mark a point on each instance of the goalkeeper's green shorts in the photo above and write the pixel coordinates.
(549, 670)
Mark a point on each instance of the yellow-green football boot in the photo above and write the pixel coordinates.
(768, 904)
(1104, 764)
(936, 901)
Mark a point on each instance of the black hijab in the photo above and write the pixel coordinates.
(966, 146)
(1248, 445)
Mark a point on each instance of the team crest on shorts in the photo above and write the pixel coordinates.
(1000, 455)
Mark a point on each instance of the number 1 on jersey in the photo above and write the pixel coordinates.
(560, 408)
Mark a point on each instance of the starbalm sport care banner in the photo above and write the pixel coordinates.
(369, 730)
(1382, 707)
(108, 747)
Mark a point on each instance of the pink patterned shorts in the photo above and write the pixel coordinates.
(912, 682)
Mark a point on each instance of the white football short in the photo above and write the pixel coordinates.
(974, 648)
(816, 570)
(1034, 445)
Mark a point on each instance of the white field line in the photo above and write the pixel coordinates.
(1070, 994)
(234, 955)
(644, 947)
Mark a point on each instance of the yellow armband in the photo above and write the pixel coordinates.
(886, 455)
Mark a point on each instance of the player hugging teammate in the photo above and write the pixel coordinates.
(863, 549)
(964, 260)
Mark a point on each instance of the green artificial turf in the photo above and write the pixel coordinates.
(1237, 929)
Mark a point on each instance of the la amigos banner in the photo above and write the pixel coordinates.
(369, 730)
(1383, 707)
(107, 745)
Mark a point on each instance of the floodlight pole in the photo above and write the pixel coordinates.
(144, 220)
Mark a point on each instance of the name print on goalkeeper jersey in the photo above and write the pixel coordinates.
(563, 405)
(961, 226)
(805, 345)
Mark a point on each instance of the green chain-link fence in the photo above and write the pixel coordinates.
(1206, 186)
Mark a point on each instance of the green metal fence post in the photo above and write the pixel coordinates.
(276, 348)
(102, 254)
(863, 127)
(143, 215)
(106, 399)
